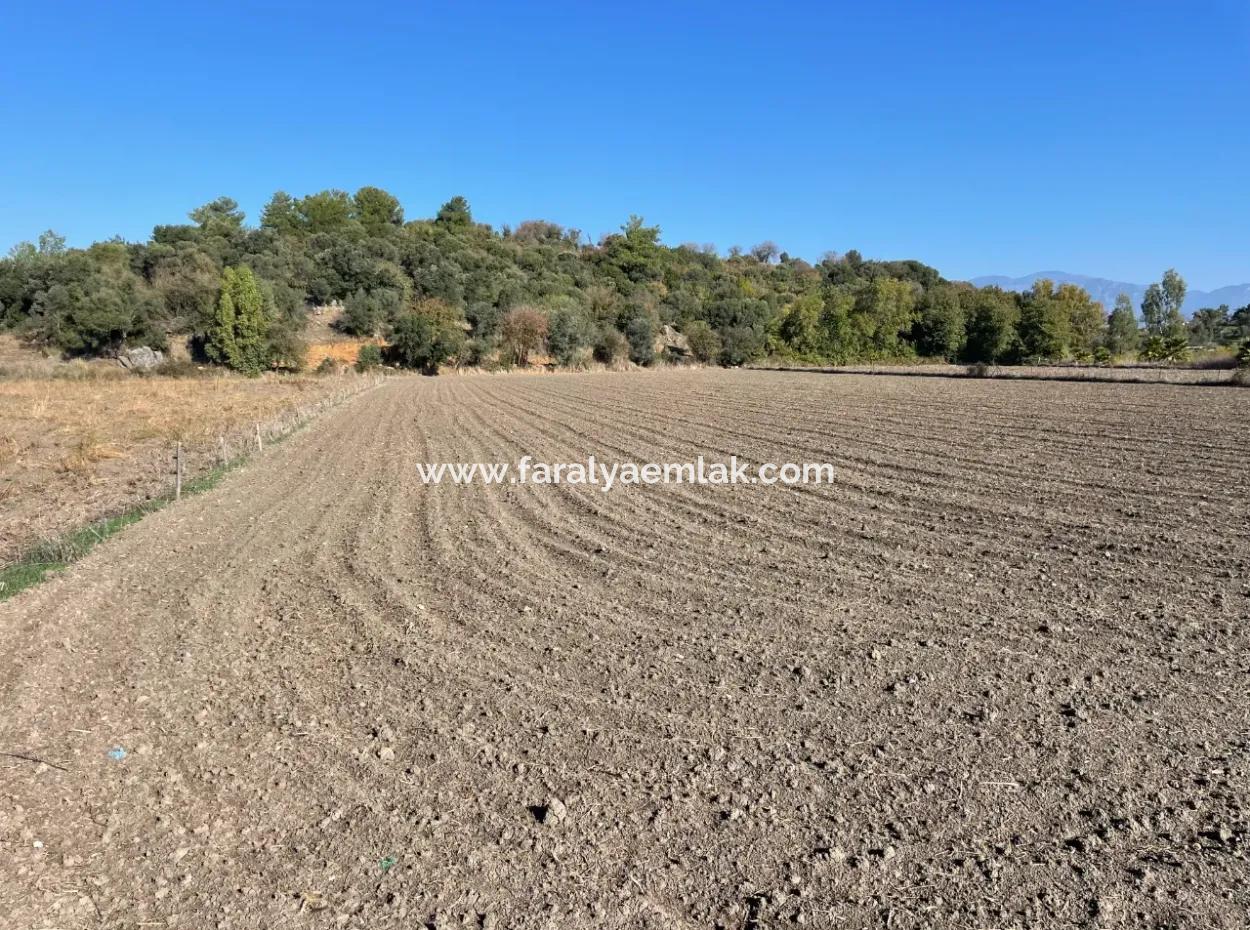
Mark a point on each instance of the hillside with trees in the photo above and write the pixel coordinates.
(451, 290)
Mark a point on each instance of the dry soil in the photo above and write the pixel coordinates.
(994, 676)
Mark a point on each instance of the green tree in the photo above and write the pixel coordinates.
(221, 217)
(326, 211)
(1161, 307)
(1043, 327)
(50, 243)
(1122, 334)
(282, 215)
(421, 341)
(633, 256)
(365, 313)
(991, 332)
(939, 331)
(455, 214)
(377, 211)
(1086, 322)
(1207, 326)
(799, 327)
(884, 312)
(1238, 328)
(239, 335)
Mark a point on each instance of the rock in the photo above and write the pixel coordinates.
(669, 341)
(386, 754)
(140, 358)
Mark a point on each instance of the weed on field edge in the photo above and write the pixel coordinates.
(52, 555)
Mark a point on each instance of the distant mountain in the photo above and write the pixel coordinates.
(1106, 291)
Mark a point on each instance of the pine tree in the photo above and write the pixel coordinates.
(239, 336)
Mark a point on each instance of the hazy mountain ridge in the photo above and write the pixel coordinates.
(1106, 290)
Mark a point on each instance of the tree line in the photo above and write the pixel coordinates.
(450, 289)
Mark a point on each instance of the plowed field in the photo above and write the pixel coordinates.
(995, 675)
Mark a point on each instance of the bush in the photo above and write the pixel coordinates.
(369, 358)
(418, 341)
(641, 337)
(365, 312)
(1160, 348)
(1102, 355)
(288, 348)
(612, 346)
(1243, 354)
(327, 366)
(704, 341)
(477, 351)
(978, 370)
(522, 333)
(568, 331)
(582, 358)
(741, 344)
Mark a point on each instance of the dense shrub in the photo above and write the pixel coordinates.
(611, 347)
(242, 293)
(369, 357)
(641, 337)
(705, 344)
(421, 342)
(741, 344)
(569, 331)
(523, 332)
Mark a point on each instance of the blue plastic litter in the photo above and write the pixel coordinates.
(117, 754)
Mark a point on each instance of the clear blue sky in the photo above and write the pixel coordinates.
(1108, 138)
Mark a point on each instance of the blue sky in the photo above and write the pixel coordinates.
(1108, 138)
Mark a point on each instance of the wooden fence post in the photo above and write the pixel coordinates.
(178, 472)
(259, 445)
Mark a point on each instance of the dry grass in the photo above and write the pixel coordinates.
(124, 411)
(74, 449)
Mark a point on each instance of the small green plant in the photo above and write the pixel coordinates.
(370, 357)
(328, 366)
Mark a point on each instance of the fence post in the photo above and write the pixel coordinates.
(259, 445)
(221, 451)
(178, 472)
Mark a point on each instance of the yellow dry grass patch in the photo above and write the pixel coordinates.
(73, 450)
(101, 419)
